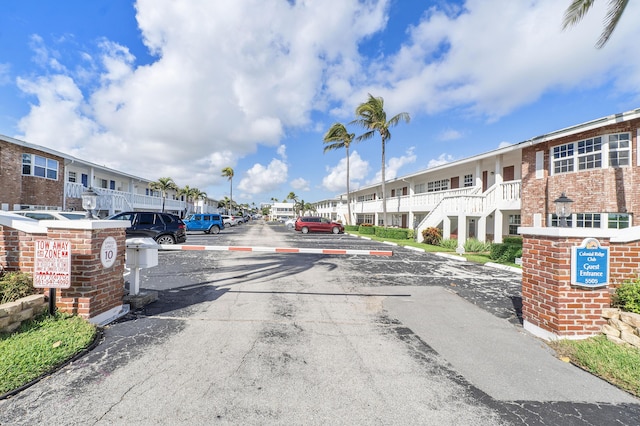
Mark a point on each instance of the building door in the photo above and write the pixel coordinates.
(485, 180)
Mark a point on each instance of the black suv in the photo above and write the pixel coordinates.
(165, 228)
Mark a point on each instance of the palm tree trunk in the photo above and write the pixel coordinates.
(384, 191)
(348, 192)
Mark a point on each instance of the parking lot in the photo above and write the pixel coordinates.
(241, 337)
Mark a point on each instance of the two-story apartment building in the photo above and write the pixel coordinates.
(488, 196)
(36, 177)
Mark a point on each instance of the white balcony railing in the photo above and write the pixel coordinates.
(115, 201)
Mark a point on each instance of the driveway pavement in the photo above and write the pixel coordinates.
(312, 339)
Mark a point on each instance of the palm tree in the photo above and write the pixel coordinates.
(373, 118)
(226, 203)
(190, 194)
(163, 184)
(228, 173)
(578, 8)
(337, 137)
(293, 197)
(199, 195)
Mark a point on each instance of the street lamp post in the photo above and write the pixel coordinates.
(89, 202)
(563, 209)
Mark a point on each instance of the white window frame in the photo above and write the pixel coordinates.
(438, 185)
(50, 168)
(591, 154)
(468, 180)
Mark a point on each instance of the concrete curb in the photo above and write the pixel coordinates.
(452, 256)
(503, 267)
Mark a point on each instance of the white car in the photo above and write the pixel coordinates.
(51, 214)
(230, 220)
(290, 223)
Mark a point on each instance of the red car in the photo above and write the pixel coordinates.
(307, 224)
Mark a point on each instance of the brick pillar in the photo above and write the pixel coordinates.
(551, 307)
(96, 291)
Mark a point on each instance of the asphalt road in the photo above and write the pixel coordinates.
(264, 338)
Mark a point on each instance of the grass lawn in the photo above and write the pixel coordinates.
(617, 364)
(39, 346)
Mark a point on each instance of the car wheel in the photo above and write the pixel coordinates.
(305, 230)
(214, 230)
(165, 239)
(335, 230)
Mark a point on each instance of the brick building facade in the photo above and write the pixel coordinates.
(30, 176)
(601, 178)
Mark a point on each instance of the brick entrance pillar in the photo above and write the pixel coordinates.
(96, 291)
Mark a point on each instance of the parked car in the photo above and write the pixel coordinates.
(290, 223)
(164, 228)
(229, 220)
(307, 224)
(51, 214)
(210, 223)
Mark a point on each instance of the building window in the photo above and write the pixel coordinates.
(438, 185)
(590, 154)
(555, 221)
(368, 197)
(71, 177)
(618, 220)
(420, 188)
(563, 158)
(514, 223)
(619, 149)
(588, 220)
(35, 165)
(468, 180)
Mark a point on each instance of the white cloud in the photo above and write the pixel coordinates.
(449, 135)
(442, 159)
(336, 180)
(260, 179)
(300, 184)
(504, 144)
(493, 63)
(393, 165)
(227, 76)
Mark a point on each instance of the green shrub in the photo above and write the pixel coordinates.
(352, 228)
(516, 241)
(449, 243)
(472, 245)
(627, 296)
(432, 236)
(411, 234)
(15, 285)
(507, 251)
(367, 229)
(392, 233)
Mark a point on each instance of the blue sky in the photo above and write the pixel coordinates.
(182, 89)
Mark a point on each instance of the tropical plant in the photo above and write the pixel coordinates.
(337, 137)
(293, 197)
(578, 8)
(432, 236)
(373, 117)
(627, 296)
(191, 194)
(449, 243)
(163, 184)
(228, 173)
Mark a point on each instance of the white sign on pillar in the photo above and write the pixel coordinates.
(108, 252)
